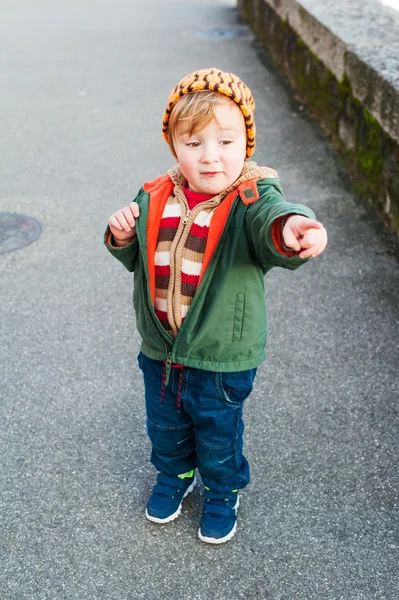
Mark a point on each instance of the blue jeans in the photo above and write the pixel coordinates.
(196, 421)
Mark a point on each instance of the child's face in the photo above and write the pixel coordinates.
(213, 158)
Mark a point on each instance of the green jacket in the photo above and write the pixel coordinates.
(225, 328)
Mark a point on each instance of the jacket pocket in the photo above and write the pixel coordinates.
(238, 321)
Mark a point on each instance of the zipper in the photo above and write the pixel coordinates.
(168, 365)
(184, 221)
(186, 218)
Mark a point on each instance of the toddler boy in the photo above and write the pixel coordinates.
(200, 240)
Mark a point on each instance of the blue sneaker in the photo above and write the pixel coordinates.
(218, 523)
(167, 497)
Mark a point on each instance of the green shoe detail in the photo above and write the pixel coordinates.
(187, 475)
(207, 488)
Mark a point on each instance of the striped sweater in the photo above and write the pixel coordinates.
(179, 256)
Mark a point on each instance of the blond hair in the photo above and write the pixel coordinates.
(193, 112)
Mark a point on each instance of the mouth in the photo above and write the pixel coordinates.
(210, 173)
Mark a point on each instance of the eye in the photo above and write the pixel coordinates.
(226, 142)
(193, 144)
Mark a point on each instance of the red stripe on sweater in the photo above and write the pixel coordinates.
(162, 316)
(162, 271)
(198, 231)
(170, 222)
(189, 279)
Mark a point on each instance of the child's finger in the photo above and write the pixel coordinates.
(309, 239)
(307, 224)
(122, 221)
(306, 253)
(290, 239)
(321, 243)
(113, 222)
(127, 213)
(314, 250)
(135, 209)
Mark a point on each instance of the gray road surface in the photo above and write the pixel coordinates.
(83, 89)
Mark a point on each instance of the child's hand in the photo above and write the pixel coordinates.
(123, 224)
(306, 236)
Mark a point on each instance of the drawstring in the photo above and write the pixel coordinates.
(163, 388)
(165, 381)
(178, 401)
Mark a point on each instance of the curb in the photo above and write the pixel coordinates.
(348, 77)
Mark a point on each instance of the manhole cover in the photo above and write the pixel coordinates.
(225, 34)
(17, 231)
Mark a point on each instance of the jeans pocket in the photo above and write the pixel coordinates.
(234, 388)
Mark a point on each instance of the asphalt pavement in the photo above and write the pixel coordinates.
(83, 89)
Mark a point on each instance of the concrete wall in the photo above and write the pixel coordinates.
(347, 75)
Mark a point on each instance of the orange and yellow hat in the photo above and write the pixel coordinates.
(218, 81)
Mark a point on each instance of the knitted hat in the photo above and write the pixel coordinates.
(217, 81)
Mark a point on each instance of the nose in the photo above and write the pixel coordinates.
(209, 153)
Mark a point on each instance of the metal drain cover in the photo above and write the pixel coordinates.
(222, 34)
(17, 231)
